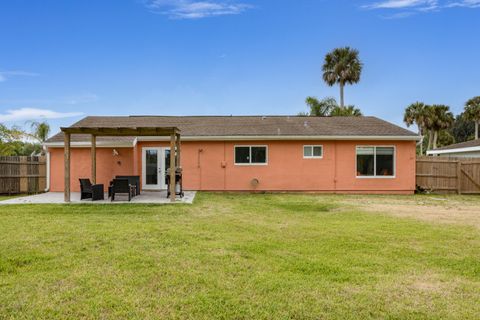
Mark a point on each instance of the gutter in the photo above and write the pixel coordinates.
(238, 138)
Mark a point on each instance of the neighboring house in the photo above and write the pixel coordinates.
(249, 153)
(468, 149)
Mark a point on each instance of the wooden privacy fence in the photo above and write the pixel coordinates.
(22, 175)
(449, 175)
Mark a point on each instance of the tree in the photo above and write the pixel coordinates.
(415, 114)
(437, 118)
(40, 132)
(445, 138)
(9, 140)
(462, 129)
(348, 111)
(472, 112)
(321, 108)
(328, 107)
(342, 66)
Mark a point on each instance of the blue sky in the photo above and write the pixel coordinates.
(61, 60)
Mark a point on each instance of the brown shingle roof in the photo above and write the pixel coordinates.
(466, 144)
(219, 126)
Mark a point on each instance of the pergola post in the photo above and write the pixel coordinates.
(177, 154)
(67, 167)
(93, 152)
(172, 167)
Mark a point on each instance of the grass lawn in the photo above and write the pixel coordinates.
(236, 257)
(6, 197)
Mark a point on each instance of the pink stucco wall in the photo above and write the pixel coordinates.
(210, 166)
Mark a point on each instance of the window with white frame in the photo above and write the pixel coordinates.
(253, 155)
(312, 152)
(373, 161)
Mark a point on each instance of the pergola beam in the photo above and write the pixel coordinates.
(123, 131)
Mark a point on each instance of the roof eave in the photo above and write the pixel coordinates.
(237, 138)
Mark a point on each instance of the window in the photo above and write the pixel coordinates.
(375, 161)
(250, 155)
(312, 152)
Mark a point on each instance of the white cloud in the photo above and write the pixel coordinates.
(193, 9)
(401, 4)
(4, 75)
(409, 7)
(465, 3)
(34, 113)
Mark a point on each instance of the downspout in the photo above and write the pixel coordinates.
(199, 166)
(47, 164)
(335, 168)
(224, 165)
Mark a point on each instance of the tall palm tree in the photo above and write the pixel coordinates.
(321, 108)
(472, 112)
(415, 114)
(342, 66)
(437, 118)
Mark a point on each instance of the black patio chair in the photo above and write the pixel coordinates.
(90, 191)
(123, 187)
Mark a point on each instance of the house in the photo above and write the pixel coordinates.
(468, 149)
(246, 153)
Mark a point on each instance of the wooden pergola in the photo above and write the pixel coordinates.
(173, 132)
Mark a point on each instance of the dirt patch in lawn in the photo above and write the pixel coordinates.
(456, 210)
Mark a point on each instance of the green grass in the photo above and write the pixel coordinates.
(234, 257)
(6, 197)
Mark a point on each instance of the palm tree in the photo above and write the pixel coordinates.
(348, 111)
(437, 118)
(415, 114)
(321, 108)
(342, 66)
(472, 112)
(41, 130)
(328, 107)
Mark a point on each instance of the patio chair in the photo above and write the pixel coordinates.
(123, 187)
(90, 191)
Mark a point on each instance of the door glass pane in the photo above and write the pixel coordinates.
(242, 154)
(385, 161)
(151, 167)
(259, 155)
(167, 163)
(365, 161)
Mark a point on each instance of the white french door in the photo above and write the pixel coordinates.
(155, 161)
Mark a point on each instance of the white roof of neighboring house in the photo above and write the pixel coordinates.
(467, 146)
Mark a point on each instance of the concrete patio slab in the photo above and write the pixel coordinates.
(145, 197)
